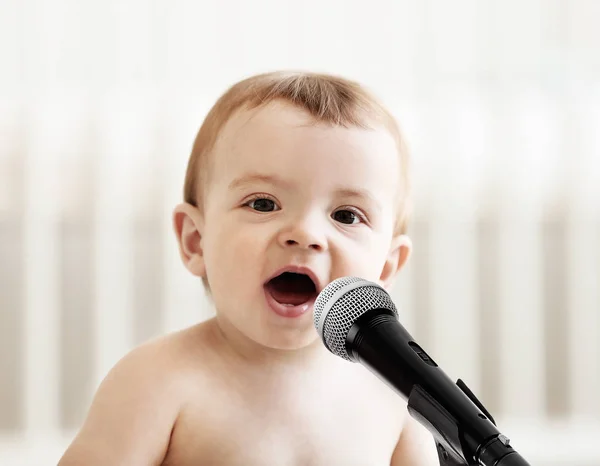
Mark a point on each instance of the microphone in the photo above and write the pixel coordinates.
(357, 321)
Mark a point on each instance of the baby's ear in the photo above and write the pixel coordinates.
(397, 256)
(188, 223)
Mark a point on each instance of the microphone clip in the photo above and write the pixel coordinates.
(444, 427)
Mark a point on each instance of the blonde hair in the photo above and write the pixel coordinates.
(328, 99)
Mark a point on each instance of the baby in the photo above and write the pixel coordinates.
(295, 179)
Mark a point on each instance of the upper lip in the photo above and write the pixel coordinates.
(301, 270)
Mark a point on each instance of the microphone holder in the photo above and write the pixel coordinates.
(453, 445)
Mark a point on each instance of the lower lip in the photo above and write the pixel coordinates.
(288, 311)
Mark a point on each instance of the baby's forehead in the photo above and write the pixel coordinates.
(284, 144)
(272, 122)
(273, 117)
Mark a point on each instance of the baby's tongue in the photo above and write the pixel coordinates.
(291, 289)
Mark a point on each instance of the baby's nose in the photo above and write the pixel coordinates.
(307, 245)
(304, 235)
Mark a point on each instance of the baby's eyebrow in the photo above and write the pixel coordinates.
(255, 178)
(359, 193)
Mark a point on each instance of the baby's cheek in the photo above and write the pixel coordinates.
(358, 262)
(239, 251)
(376, 256)
(244, 257)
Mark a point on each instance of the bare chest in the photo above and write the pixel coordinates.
(355, 425)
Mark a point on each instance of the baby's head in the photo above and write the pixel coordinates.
(299, 173)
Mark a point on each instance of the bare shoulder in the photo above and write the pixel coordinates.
(138, 402)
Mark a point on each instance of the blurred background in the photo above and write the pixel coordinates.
(500, 101)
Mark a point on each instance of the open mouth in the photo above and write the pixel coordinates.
(292, 289)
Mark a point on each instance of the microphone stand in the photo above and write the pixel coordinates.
(456, 447)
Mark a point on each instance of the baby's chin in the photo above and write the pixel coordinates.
(264, 336)
(287, 340)
(296, 344)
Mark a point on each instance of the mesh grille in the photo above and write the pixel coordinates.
(327, 293)
(349, 307)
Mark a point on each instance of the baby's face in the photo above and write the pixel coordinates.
(285, 193)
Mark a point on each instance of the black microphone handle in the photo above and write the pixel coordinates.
(378, 341)
(498, 452)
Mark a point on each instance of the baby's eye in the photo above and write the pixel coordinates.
(262, 204)
(346, 216)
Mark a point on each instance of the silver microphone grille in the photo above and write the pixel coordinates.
(339, 305)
